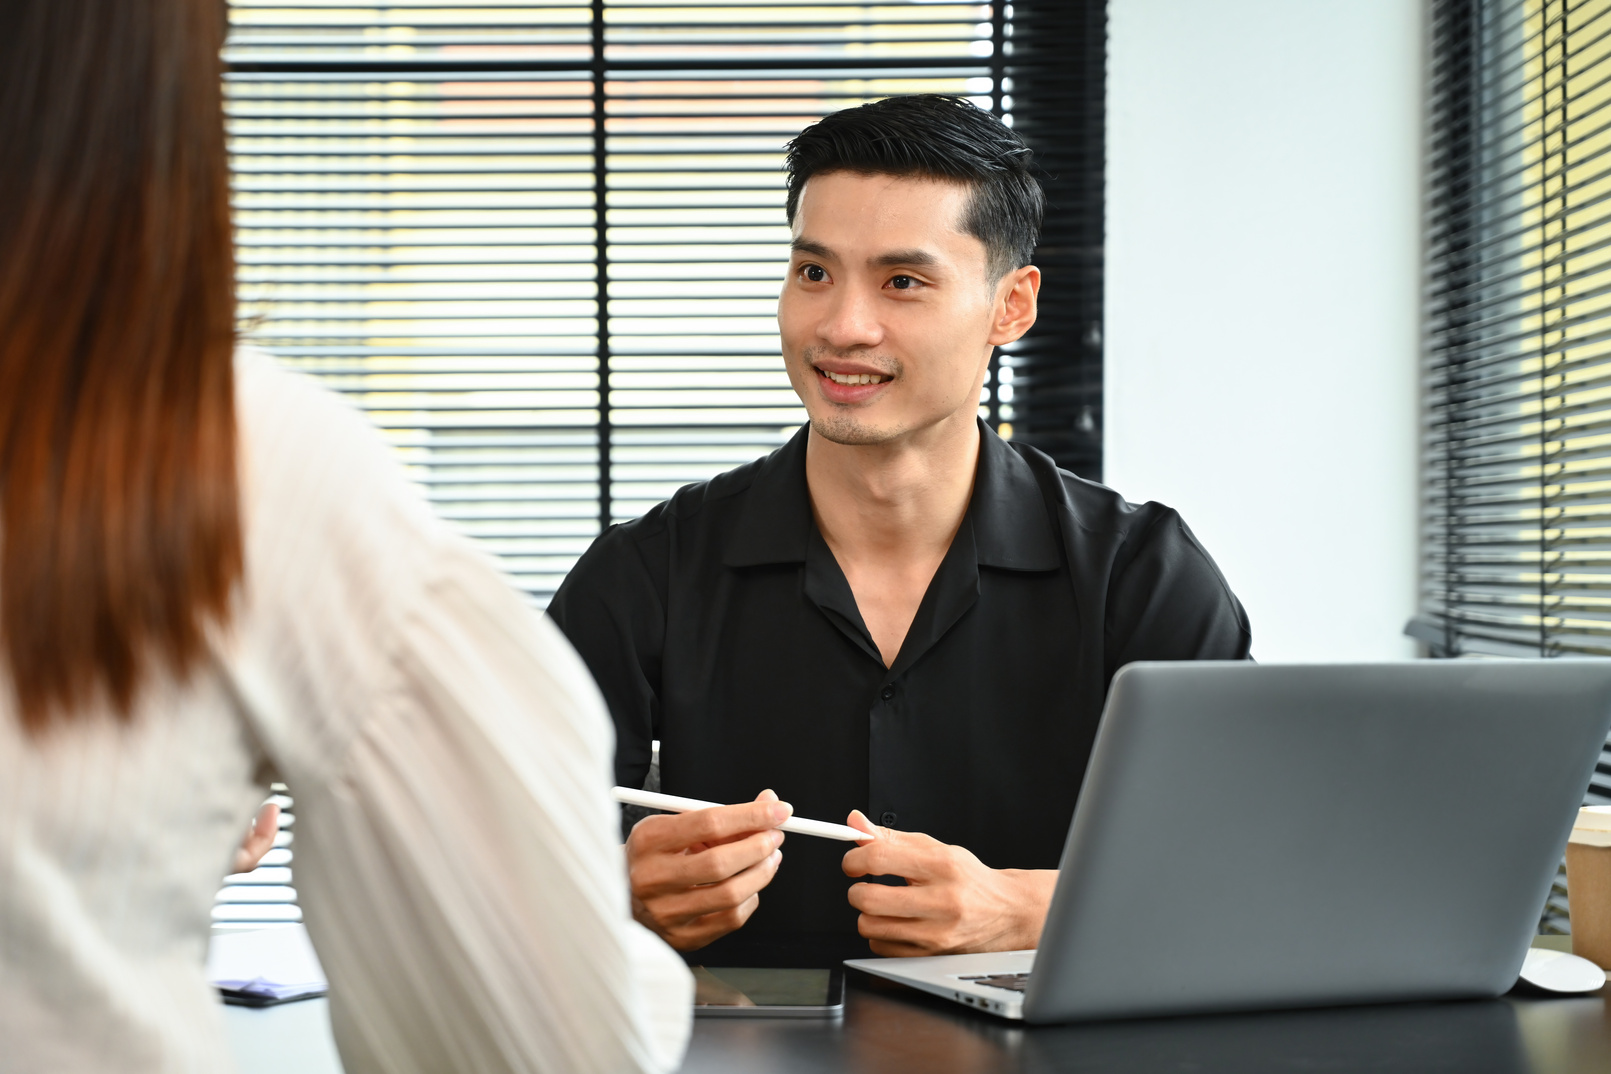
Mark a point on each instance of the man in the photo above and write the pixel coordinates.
(897, 613)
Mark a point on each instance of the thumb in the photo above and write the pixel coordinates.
(268, 821)
(768, 795)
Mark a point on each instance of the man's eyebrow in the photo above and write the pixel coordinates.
(914, 258)
(815, 249)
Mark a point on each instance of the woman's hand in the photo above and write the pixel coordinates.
(259, 839)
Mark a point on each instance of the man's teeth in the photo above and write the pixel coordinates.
(855, 378)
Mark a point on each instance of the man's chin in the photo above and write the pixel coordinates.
(846, 430)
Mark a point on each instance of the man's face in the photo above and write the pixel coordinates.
(887, 311)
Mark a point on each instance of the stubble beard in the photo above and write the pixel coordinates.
(844, 429)
(842, 424)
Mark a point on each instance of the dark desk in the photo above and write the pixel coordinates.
(892, 1030)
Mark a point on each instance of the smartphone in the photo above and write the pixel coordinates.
(746, 992)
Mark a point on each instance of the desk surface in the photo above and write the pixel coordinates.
(892, 1030)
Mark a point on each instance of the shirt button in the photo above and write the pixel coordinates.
(889, 692)
(887, 820)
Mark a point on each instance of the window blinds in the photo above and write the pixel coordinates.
(540, 243)
(1517, 480)
(1055, 62)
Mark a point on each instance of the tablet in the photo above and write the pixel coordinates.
(742, 992)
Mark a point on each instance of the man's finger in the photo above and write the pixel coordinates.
(703, 930)
(858, 820)
(906, 901)
(716, 825)
(765, 796)
(673, 831)
(909, 854)
(888, 929)
(717, 863)
(900, 948)
(677, 872)
(714, 898)
(727, 920)
(893, 930)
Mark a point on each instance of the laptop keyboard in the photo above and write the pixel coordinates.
(1014, 982)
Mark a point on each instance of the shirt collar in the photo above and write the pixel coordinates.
(1012, 528)
(775, 525)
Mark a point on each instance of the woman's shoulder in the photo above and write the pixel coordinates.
(296, 413)
(296, 434)
(328, 507)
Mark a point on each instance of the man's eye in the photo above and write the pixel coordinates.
(901, 283)
(815, 273)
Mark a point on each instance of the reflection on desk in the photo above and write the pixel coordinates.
(888, 1029)
(291, 1038)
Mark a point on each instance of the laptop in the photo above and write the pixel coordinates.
(1252, 837)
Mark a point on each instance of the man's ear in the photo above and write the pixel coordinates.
(1017, 298)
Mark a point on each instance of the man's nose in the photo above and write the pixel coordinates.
(851, 321)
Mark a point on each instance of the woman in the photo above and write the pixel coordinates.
(211, 576)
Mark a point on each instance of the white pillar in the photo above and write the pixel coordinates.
(1262, 311)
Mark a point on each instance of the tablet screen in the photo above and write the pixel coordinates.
(722, 986)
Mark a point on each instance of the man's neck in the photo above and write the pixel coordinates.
(894, 501)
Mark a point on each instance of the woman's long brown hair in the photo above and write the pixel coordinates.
(120, 534)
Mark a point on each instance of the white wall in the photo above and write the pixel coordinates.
(1263, 266)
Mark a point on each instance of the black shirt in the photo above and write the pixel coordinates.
(721, 624)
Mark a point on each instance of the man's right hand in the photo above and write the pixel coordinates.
(696, 876)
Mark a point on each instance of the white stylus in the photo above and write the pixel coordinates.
(673, 804)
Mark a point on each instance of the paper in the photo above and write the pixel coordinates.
(266, 965)
(1593, 827)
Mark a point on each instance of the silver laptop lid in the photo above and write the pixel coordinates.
(1266, 836)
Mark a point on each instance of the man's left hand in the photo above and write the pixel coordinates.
(951, 904)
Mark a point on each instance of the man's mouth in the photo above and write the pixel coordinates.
(852, 379)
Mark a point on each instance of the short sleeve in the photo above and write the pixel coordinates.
(613, 612)
(1168, 601)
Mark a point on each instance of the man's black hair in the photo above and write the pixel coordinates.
(933, 136)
